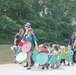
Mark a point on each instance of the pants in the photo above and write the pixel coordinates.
(32, 62)
(74, 57)
(62, 60)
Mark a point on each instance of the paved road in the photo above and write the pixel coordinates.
(18, 69)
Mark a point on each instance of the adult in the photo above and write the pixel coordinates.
(17, 39)
(27, 27)
(33, 40)
(73, 44)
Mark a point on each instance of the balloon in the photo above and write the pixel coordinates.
(26, 47)
(42, 58)
(34, 56)
(53, 60)
(21, 57)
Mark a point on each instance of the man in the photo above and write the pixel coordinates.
(73, 44)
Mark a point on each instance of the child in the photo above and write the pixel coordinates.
(54, 59)
(69, 57)
(44, 50)
(63, 54)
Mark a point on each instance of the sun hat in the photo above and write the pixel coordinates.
(28, 25)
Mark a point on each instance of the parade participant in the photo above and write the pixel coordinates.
(44, 50)
(33, 40)
(63, 54)
(69, 57)
(17, 39)
(73, 44)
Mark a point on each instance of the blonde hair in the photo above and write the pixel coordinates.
(41, 46)
(30, 29)
(62, 47)
(69, 47)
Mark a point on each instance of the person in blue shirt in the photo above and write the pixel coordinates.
(32, 38)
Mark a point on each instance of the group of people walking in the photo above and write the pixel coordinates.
(45, 48)
(29, 36)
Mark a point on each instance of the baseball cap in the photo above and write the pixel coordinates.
(28, 25)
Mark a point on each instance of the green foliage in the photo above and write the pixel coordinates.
(8, 28)
(51, 19)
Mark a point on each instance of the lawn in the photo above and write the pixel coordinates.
(6, 54)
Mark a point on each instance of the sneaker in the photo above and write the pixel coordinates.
(72, 64)
(32, 65)
(42, 68)
(68, 64)
(28, 68)
(26, 65)
(15, 61)
(20, 63)
(47, 67)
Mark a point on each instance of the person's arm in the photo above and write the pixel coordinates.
(71, 40)
(15, 39)
(36, 45)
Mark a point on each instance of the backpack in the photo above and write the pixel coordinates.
(33, 40)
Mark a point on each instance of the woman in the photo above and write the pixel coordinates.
(18, 37)
(17, 40)
(33, 40)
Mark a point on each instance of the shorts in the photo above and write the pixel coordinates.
(31, 51)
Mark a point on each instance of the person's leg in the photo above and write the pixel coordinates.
(32, 62)
(64, 61)
(29, 60)
(15, 55)
(61, 62)
(74, 57)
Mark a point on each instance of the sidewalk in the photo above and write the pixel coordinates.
(18, 69)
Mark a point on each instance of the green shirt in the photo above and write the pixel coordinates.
(32, 39)
(63, 54)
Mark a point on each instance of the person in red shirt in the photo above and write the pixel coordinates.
(44, 50)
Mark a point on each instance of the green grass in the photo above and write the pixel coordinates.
(6, 54)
